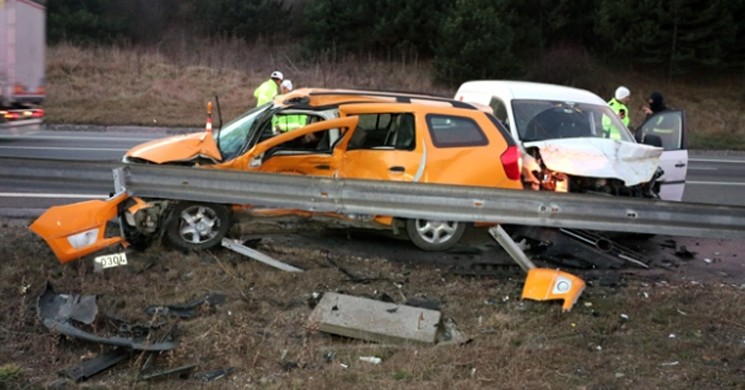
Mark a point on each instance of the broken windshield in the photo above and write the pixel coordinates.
(539, 120)
(233, 136)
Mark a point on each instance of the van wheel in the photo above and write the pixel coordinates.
(434, 236)
(194, 226)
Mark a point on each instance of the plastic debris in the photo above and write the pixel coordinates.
(371, 359)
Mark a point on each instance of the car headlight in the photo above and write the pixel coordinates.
(83, 239)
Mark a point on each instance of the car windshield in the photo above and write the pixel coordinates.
(539, 120)
(233, 136)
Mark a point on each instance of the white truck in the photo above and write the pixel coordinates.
(22, 52)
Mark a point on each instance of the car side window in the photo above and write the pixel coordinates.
(384, 131)
(453, 131)
(313, 143)
(282, 122)
(667, 126)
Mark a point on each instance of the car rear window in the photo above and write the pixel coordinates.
(454, 131)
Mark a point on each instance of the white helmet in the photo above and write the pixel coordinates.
(277, 75)
(622, 93)
(287, 84)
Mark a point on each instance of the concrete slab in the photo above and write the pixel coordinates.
(372, 320)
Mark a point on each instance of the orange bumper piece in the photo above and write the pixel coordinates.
(75, 230)
(548, 284)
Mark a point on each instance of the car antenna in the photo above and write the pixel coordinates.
(219, 119)
(219, 113)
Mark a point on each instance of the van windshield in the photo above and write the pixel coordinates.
(539, 120)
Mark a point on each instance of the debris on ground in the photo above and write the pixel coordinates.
(258, 256)
(100, 363)
(683, 253)
(373, 320)
(188, 309)
(58, 311)
(209, 376)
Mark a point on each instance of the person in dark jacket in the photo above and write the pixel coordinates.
(656, 104)
(662, 128)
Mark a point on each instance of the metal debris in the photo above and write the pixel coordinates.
(100, 363)
(188, 309)
(208, 376)
(258, 256)
(57, 311)
(179, 371)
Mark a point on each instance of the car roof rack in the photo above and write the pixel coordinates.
(400, 97)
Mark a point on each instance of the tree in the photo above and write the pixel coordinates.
(476, 40)
(247, 19)
(83, 22)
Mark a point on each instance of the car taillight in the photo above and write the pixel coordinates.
(511, 162)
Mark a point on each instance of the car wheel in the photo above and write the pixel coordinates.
(434, 235)
(194, 226)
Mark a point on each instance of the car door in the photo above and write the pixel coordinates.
(384, 145)
(309, 150)
(668, 130)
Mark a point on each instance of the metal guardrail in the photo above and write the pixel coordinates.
(36, 169)
(431, 201)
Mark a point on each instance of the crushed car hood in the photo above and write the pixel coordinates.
(600, 158)
(177, 148)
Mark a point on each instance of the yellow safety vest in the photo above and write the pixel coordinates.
(612, 131)
(266, 92)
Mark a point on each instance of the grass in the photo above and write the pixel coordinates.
(651, 333)
(170, 85)
(136, 86)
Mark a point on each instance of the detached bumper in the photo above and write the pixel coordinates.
(76, 230)
(550, 284)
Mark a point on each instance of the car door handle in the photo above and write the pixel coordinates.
(323, 166)
(680, 165)
(398, 169)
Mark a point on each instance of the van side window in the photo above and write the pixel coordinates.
(500, 110)
(453, 131)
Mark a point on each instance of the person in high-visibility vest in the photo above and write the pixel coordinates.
(285, 123)
(268, 89)
(618, 104)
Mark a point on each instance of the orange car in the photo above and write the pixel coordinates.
(342, 134)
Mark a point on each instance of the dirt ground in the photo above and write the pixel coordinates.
(679, 324)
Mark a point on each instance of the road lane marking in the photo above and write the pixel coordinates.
(124, 138)
(716, 183)
(714, 160)
(63, 148)
(43, 195)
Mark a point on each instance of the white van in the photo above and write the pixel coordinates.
(566, 130)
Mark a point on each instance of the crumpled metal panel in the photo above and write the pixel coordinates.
(600, 158)
(58, 310)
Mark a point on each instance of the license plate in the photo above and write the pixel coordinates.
(108, 261)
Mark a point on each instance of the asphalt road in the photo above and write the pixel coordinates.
(716, 177)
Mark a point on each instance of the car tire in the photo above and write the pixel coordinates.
(196, 226)
(434, 236)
